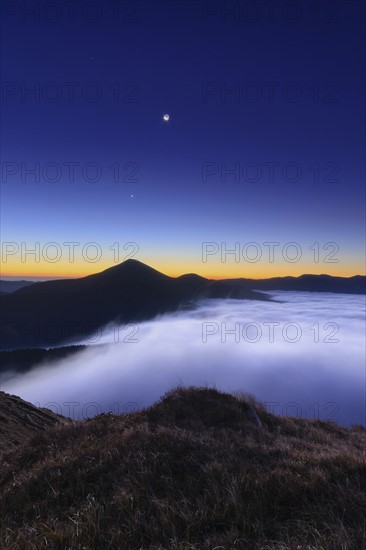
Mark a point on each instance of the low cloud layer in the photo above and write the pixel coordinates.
(303, 355)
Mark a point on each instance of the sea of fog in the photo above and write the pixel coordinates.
(302, 355)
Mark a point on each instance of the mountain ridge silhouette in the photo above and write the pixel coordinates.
(63, 311)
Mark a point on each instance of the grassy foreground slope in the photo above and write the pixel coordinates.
(198, 470)
(20, 421)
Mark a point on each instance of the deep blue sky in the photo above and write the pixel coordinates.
(179, 57)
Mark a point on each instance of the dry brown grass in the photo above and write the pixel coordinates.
(191, 472)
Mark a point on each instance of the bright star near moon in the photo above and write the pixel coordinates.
(166, 118)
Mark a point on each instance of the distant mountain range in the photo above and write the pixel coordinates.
(6, 287)
(58, 312)
(307, 283)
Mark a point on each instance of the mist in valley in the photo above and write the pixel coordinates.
(302, 354)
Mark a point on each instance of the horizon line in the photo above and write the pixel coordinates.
(44, 278)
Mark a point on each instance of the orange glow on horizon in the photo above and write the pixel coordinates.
(210, 270)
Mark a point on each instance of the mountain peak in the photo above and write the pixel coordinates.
(134, 268)
(132, 261)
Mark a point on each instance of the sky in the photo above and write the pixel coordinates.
(259, 172)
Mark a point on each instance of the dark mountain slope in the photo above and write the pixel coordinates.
(20, 421)
(54, 312)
